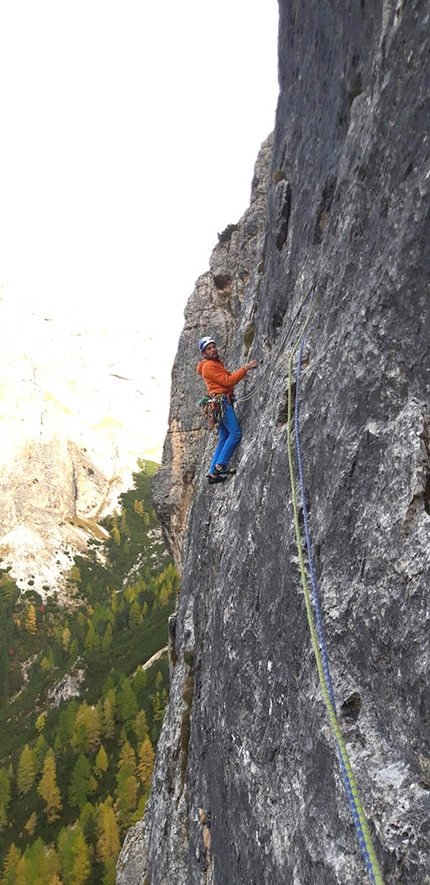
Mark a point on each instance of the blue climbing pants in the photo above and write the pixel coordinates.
(229, 436)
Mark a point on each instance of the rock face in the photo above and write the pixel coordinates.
(74, 407)
(246, 787)
(52, 494)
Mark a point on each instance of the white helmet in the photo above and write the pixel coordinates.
(203, 343)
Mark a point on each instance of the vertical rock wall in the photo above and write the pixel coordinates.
(246, 787)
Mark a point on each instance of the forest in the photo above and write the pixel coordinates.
(80, 712)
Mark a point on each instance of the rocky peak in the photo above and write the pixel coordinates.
(75, 400)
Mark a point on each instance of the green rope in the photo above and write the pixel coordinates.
(356, 807)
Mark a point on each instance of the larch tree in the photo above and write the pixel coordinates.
(11, 861)
(141, 726)
(146, 764)
(31, 824)
(74, 856)
(107, 830)
(127, 756)
(48, 788)
(65, 638)
(37, 866)
(101, 763)
(87, 732)
(107, 638)
(27, 770)
(31, 620)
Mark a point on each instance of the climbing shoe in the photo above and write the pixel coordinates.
(225, 471)
(216, 477)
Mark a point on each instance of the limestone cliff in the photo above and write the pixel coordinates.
(247, 787)
(77, 400)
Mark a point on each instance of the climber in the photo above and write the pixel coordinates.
(220, 385)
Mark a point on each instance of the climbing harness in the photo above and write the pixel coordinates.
(213, 407)
(317, 634)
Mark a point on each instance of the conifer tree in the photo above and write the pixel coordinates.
(107, 638)
(65, 638)
(5, 796)
(159, 680)
(115, 533)
(12, 859)
(157, 708)
(37, 866)
(135, 616)
(126, 801)
(88, 823)
(146, 764)
(108, 837)
(127, 703)
(75, 574)
(108, 715)
(127, 785)
(138, 507)
(81, 782)
(27, 770)
(87, 731)
(94, 727)
(101, 763)
(47, 662)
(74, 856)
(139, 680)
(92, 641)
(141, 726)
(41, 750)
(165, 593)
(127, 757)
(31, 824)
(31, 620)
(66, 725)
(125, 531)
(48, 789)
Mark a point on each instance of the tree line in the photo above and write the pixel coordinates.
(75, 773)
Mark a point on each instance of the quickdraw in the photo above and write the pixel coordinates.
(213, 407)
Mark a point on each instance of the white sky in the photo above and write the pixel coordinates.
(129, 132)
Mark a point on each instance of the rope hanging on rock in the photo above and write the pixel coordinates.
(317, 634)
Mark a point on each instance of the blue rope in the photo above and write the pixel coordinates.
(318, 615)
(354, 801)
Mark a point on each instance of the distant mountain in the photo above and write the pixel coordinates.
(78, 405)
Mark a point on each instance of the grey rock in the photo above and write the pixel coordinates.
(70, 686)
(247, 787)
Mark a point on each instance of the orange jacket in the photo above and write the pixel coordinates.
(218, 379)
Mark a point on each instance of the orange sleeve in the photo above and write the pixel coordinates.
(217, 376)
